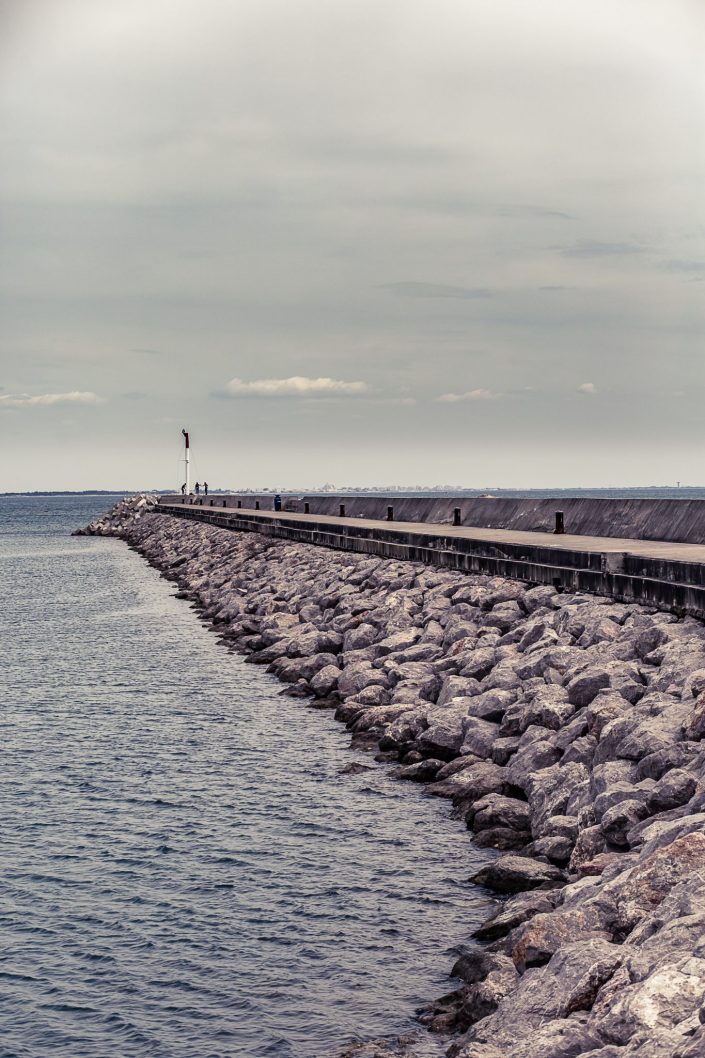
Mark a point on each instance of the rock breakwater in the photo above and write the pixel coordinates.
(564, 729)
(121, 517)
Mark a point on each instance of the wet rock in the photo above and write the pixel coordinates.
(445, 734)
(472, 783)
(355, 769)
(504, 839)
(483, 996)
(325, 681)
(514, 874)
(496, 810)
(423, 771)
(515, 911)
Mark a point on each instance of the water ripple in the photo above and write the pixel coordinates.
(186, 872)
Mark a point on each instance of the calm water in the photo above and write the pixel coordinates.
(185, 872)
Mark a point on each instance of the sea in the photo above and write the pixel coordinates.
(187, 869)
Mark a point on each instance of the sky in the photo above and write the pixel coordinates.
(359, 242)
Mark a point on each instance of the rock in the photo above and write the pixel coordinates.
(514, 874)
(542, 1004)
(478, 736)
(618, 821)
(496, 810)
(515, 911)
(584, 688)
(529, 759)
(398, 641)
(363, 635)
(474, 782)
(303, 645)
(550, 792)
(444, 735)
(589, 844)
(674, 789)
(423, 771)
(536, 941)
(490, 705)
(502, 838)
(535, 598)
(454, 766)
(325, 681)
(455, 687)
(354, 678)
(646, 885)
(483, 996)
(679, 755)
(504, 748)
(355, 769)
(694, 725)
(605, 707)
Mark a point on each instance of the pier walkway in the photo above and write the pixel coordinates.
(664, 574)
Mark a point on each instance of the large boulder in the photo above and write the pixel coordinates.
(514, 874)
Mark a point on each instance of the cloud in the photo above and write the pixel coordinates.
(471, 394)
(587, 387)
(296, 386)
(24, 400)
(436, 290)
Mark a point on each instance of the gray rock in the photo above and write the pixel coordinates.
(363, 635)
(325, 681)
(504, 748)
(478, 736)
(444, 735)
(354, 678)
(584, 688)
(423, 771)
(618, 821)
(674, 789)
(496, 810)
(516, 910)
(514, 874)
(679, 755)
(455, 687)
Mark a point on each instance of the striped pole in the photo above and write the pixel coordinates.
(187, 462)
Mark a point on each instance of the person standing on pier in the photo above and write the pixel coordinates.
(205, 488)
(183, 489)
(197, 487)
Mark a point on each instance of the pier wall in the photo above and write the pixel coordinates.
(672, 520)
(660, 582)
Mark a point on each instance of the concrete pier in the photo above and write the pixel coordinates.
(663, 574)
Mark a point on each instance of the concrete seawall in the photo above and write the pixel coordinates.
(651, 579)
(639, 519)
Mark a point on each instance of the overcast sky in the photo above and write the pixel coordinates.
(352, 241)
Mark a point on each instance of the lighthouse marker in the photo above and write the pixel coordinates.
(187, 463)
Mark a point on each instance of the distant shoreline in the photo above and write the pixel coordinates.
(683, 492)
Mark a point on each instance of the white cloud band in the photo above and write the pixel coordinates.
(296, 386)
(471, 394)
(25, 400)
